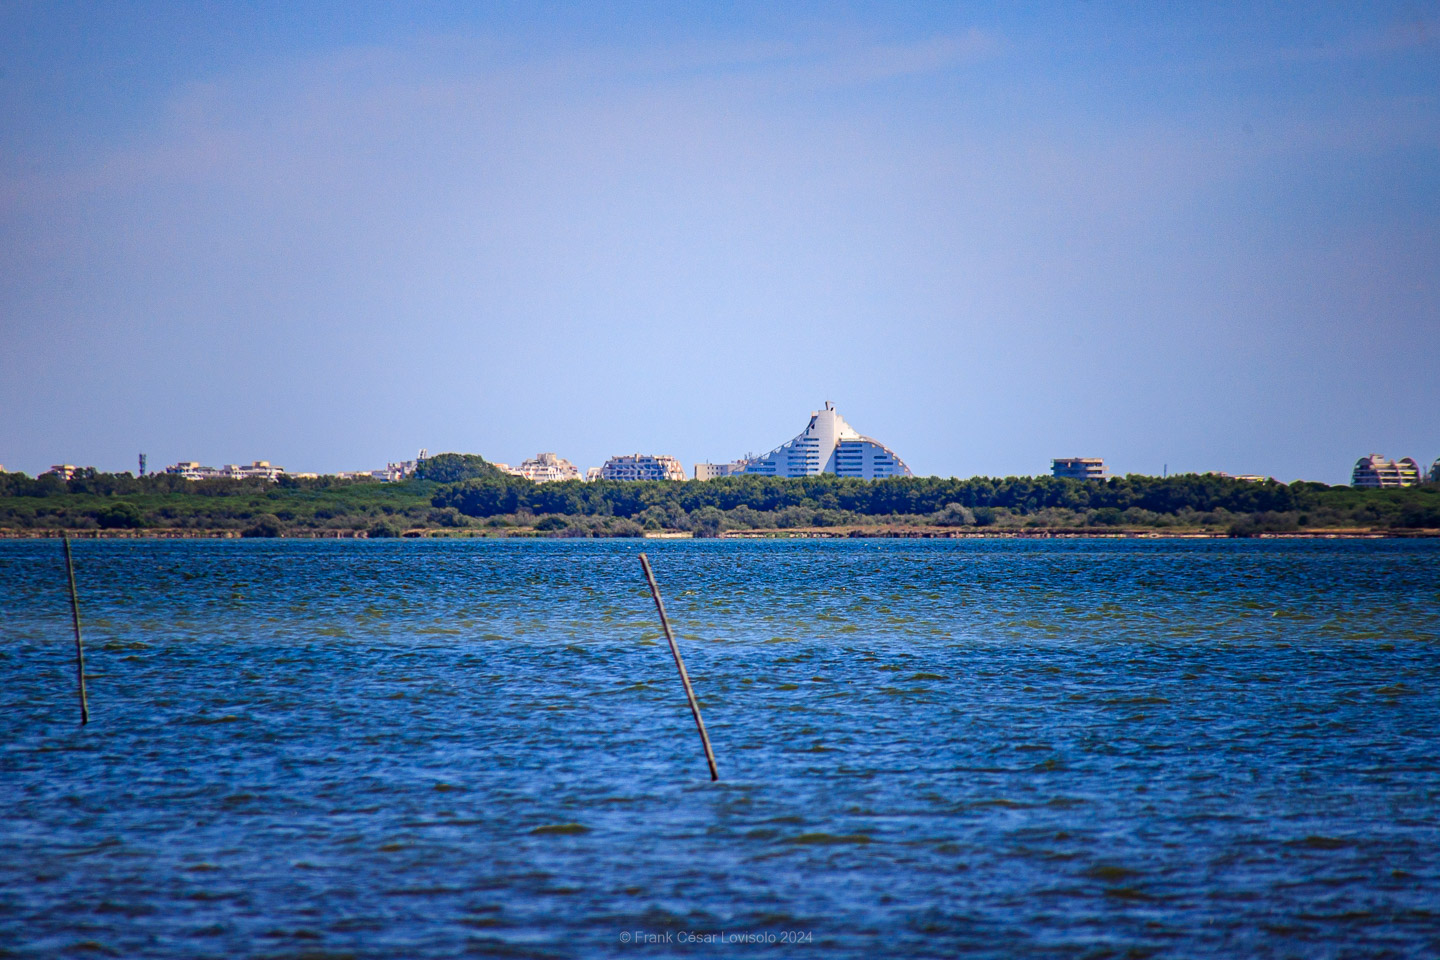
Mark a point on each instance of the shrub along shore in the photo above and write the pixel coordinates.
(464, 496)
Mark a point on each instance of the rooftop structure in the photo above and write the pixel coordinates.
(546, 468)
(1079, 468)
(64, 470)
(830, 445)
(641, 466)
(1376, 471)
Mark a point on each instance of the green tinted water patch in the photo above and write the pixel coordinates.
(829, 839)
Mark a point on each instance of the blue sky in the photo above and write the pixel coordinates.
(1204, 237)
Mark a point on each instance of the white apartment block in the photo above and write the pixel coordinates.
(640, 466)
(546, 468)
(1376, 471)
(830, 445)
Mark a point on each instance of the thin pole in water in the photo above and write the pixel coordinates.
(680, 665)
(79, 649)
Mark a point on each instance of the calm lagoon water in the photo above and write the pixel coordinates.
(434, 749)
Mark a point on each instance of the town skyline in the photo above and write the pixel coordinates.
(397, 469)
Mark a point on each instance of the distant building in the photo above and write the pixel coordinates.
(592, 474)
(394, 471)
(1247, 477)
(830, 445)
(1434, 471)
(640, 466)
(1375, 471)
(191, 470)
(255, 470)
(1079, 468)
(64, 470)
(546, 468)
(399, 470)
(709, 471)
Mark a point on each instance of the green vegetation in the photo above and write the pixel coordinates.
(163, 503)
(455, 467)
(490, 503)
(1190, 501)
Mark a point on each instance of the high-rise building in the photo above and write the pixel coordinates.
(1376, 471)
(830, 445)
(1079, 468)
(640, 466)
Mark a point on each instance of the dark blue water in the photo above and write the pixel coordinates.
(433, 749)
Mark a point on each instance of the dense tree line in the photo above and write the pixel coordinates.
(753, 501)
(901, 495)
(122, 501)
(499, 502)
(88, 481)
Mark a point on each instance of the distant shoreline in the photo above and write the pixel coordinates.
(802, 533)
(824, 507)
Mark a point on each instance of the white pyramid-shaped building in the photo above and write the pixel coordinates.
(830, 445)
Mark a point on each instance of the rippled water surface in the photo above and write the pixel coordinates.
(433, 749)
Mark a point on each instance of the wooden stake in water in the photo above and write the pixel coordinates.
(680, 665)
(79, 649)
